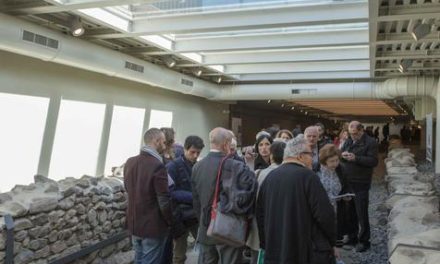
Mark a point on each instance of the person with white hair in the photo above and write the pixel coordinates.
(296, 222)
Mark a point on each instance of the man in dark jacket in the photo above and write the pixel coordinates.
(359, 157)
(311, 134)
(149, 212)
(296, 222)
(204, 177)
(180, 171)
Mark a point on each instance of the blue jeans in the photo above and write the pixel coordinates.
(148, 250)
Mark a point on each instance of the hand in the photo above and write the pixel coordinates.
(249, 154)
(347, 199)
(348, 156)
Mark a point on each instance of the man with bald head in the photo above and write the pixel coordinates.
(203, 181)
(311, 135)
(359, 157)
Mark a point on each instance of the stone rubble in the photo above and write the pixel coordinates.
(414, 218)
(54, 219)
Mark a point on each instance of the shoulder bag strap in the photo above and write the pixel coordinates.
(217, 185)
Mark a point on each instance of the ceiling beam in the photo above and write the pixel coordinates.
(304, 76)
(373, 25)
(400, 38)
(324, 66)
(407, 17)
(60, 6)
(274, 41)
(293, 55)
(252, 18)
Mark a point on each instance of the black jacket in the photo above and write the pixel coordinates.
(361, 169)
(294, 216)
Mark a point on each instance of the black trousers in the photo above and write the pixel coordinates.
(358, 213)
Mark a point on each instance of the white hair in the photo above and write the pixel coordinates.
(295, 147)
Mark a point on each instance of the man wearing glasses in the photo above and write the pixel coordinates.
(359, 157)
(296, 222)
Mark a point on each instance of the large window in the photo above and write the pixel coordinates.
(125, 135)
(22, 119)
(77, 139)
(160, 119)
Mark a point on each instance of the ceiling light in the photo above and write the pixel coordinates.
(404, 65)
(76, 26)
(421, 31)
(197, 72)
(218, 79)
(168, 60)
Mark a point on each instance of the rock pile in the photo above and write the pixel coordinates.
(414, 219)
(54, 219)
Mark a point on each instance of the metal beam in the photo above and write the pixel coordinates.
(325, 66)
(305, 76)
(400, 38)
(407, 17)
(274, 41)
(252, 18)
(71, 5)
(373, 25)
(293, 55)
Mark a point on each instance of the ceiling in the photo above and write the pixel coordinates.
(259, 41)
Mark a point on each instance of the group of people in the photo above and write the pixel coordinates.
(312, 195)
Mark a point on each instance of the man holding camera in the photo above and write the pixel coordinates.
(359, 157)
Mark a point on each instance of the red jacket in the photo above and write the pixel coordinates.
(149, 208)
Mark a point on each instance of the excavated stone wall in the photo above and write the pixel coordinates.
(414, 218)
(54, 219)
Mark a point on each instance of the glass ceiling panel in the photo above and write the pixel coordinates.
(169, 7)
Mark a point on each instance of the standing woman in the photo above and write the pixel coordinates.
(342, 137)
(262, 147)
(276, 158)
(168, 154)
(335, 183)
(284, 135)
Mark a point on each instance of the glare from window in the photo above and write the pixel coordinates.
(125, 136)
(160, 119)
(23, 119)
(77, 139)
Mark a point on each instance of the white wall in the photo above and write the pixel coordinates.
(28, 76)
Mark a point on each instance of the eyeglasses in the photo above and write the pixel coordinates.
(308, 153)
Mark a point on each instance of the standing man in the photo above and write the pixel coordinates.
(296, 222)
(149, 211)
(311, 134)
(323, 139)
(204, 177)
(359, 157)
(180, 171)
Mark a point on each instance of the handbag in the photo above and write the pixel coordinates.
(229, 229)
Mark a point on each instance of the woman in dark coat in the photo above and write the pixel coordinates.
(262, 147)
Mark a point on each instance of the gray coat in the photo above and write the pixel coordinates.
(203, 180)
